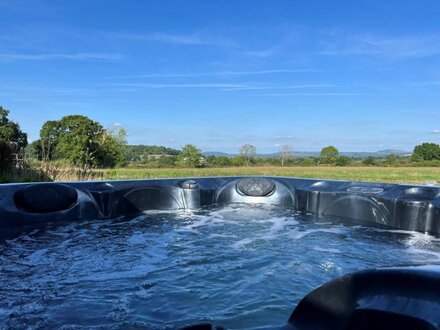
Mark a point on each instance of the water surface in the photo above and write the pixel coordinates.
(241, 266)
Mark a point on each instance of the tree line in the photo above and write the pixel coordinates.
(426, 154)
(80, 142)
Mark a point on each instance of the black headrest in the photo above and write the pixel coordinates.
(46, 197)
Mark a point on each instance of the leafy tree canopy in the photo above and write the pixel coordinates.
(329, 155)
(143, 153)
(81, 141)
(343, 161)
(190, 156)
(10, 131)
(12, 140)
(426, 151)
(369, 161)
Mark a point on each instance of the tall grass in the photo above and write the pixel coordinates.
(413, 175)
(47, 172)
(52, 171)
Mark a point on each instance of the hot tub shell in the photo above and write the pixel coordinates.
(406, 207)
(401, 297)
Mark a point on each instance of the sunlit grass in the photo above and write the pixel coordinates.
(414, 175)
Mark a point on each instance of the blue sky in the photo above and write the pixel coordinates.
(361, 75)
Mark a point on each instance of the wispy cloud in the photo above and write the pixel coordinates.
(10, 57)
(160, 86)
(271, 87)
(412, 46)
(263, 53)
(200, 38)
(221, 86)
(215, 74)
(435, 131)
(313, 94)
(239, 73)
(281, 137)
(190, 39)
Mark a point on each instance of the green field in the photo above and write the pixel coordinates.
(414, 175)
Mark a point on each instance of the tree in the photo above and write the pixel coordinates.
(190, 156)
(369, 161)
(49, 135)
(329, 155)
(285, 153)
(426, 151)
(82, 142)
(220, 161)
(113, 147)
(392, 160)
(142, 153)
(343, 161)
(166, 161)
(237, 161)
(12, 140)
(307, 161)
(248, 153)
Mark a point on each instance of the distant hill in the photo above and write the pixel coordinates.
(396, 152)
(354, 154)
(140, 153)
(217, 154)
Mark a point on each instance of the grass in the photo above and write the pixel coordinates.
(413, 175)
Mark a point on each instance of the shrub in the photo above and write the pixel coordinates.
(343, 161)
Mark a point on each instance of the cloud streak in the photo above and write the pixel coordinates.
(194, 39)
(225, 86)
(263, 53)
(412, 46)
(313, 94)
(11, 57)
(271, 87)
(161, 86)
(215, 74)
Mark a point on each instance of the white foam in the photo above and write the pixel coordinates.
(242, 243)
(299, 234)
(221, 236)
(327, 250)
(420, 239)
(136, 272)
(414, 234)
(279, 224)
(434, 256)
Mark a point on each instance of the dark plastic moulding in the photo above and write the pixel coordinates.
(415, 208)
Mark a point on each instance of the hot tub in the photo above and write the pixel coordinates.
(234, 252)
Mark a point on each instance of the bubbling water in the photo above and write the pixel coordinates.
(242, 266)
